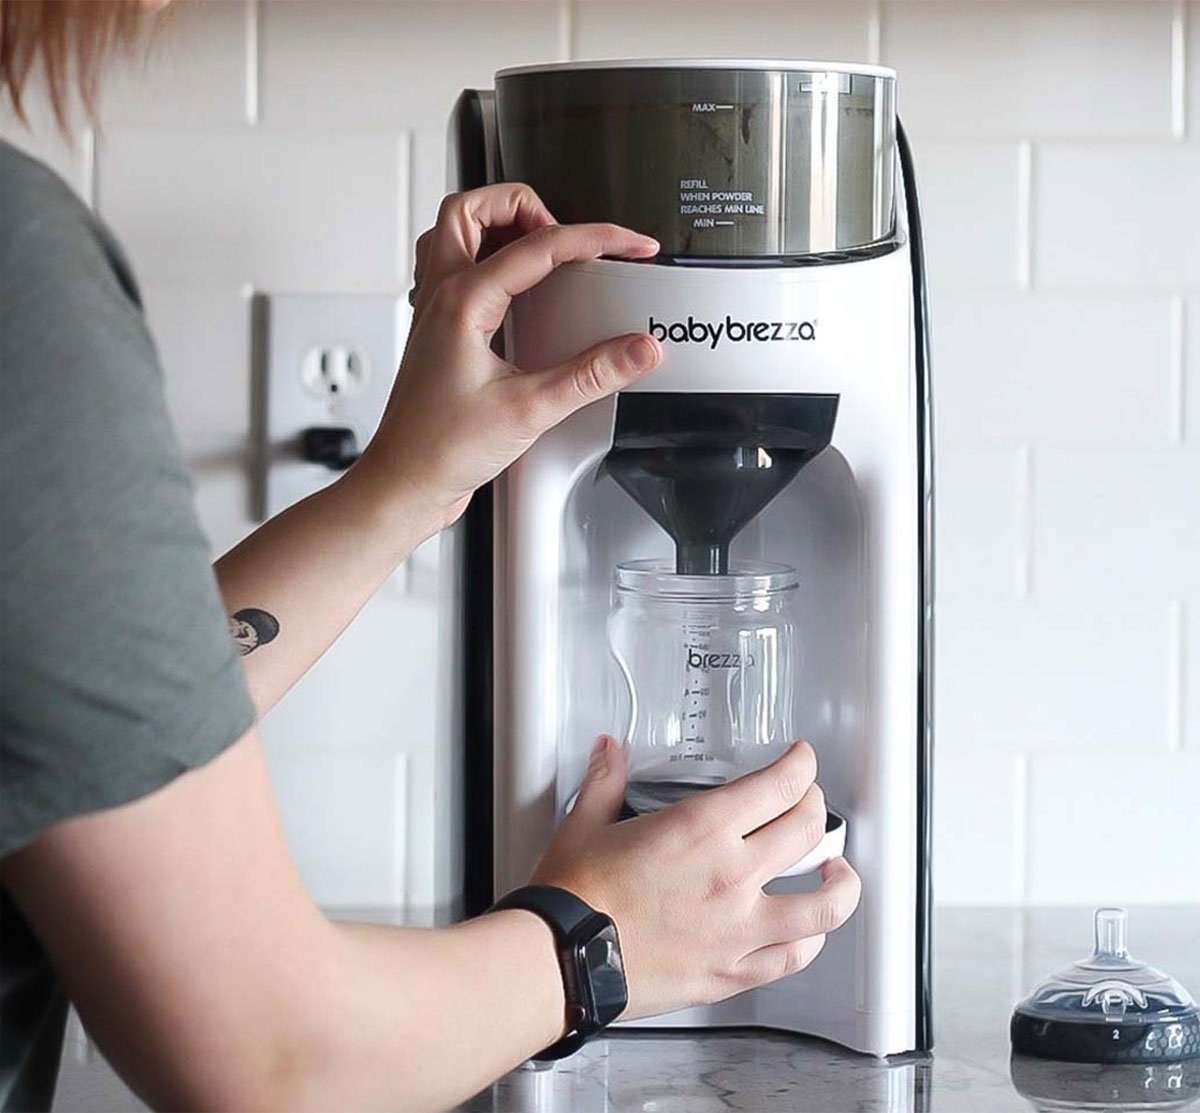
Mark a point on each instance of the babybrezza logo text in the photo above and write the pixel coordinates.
(712, 333)
(703, 659)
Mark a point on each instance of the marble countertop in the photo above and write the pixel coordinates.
(985, 960)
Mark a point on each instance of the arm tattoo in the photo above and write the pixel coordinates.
(251, 627)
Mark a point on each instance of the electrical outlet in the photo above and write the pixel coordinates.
(322, 362)
(333, 370)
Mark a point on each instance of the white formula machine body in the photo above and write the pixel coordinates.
(855, 523)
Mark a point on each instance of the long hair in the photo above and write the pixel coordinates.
(71, 40)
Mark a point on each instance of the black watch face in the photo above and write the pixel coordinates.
(602, 957)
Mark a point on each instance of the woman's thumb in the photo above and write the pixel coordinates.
(603, 788)
(591, 375)
(608, 366)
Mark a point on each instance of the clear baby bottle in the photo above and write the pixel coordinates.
(709, 661)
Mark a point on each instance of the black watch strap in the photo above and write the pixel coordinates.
(561, 909)
(562, 912)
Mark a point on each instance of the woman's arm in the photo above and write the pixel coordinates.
(210, 981)
(459, 415)
(311, 569)
(199, 964)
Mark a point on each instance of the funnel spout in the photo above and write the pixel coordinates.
(692, 559)
(704, 465)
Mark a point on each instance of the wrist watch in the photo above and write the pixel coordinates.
(589, 954)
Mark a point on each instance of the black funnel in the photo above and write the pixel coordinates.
(703, 465)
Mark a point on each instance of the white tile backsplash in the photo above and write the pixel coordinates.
(1031, 676)
(1190, 378)
(192, 69)
(1063, 226)
(1188, 675)
(969, 195)
(836, 30)
(367, 65)
(207, 371)
(222, 498)
(981, 793)
(1114, 830)
(1117, 216)
(1191, 83)
(1032, 68)
(979, 520)
(312, 211)
(1055, 369)
(361, 718)
(428, 177)
(343, 813)
(1118, 525)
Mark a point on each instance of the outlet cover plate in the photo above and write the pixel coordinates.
(293, 336)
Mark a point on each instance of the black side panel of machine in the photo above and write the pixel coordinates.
(924, 957)
(469, 170)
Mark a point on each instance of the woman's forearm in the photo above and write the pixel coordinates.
(310, 570)
(185, 937)
(422, 1020)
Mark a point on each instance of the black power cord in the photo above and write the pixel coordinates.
(924, 957)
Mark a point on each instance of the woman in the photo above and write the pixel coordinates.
(143, 864)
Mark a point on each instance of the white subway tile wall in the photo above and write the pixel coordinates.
(1125, 825)
(970, 198)
(428, 176)
(207, 370)
(282, 210)
(299, 146)
(1189, 370)
(1189, 15)
(1079, 370)
(1117, 216)
(1091, 677)
(347, 816)
(980, 524)
(352, 748)
(983, 793)
(712, 28)
(1042, 69)
(1118, 525)
(370, 65)
(193, 70)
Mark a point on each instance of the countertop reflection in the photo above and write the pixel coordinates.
(986, 959)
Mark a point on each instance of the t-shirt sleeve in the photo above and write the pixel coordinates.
(117, 672)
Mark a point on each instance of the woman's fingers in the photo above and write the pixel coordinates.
(780, 844)
(489, 287)
(769, 964)
(747, 804)
(464, 219)
(789, 917)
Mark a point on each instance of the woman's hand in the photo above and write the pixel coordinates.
(460, 414)
(685, 885)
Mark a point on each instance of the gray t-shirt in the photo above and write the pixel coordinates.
(117, 672)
